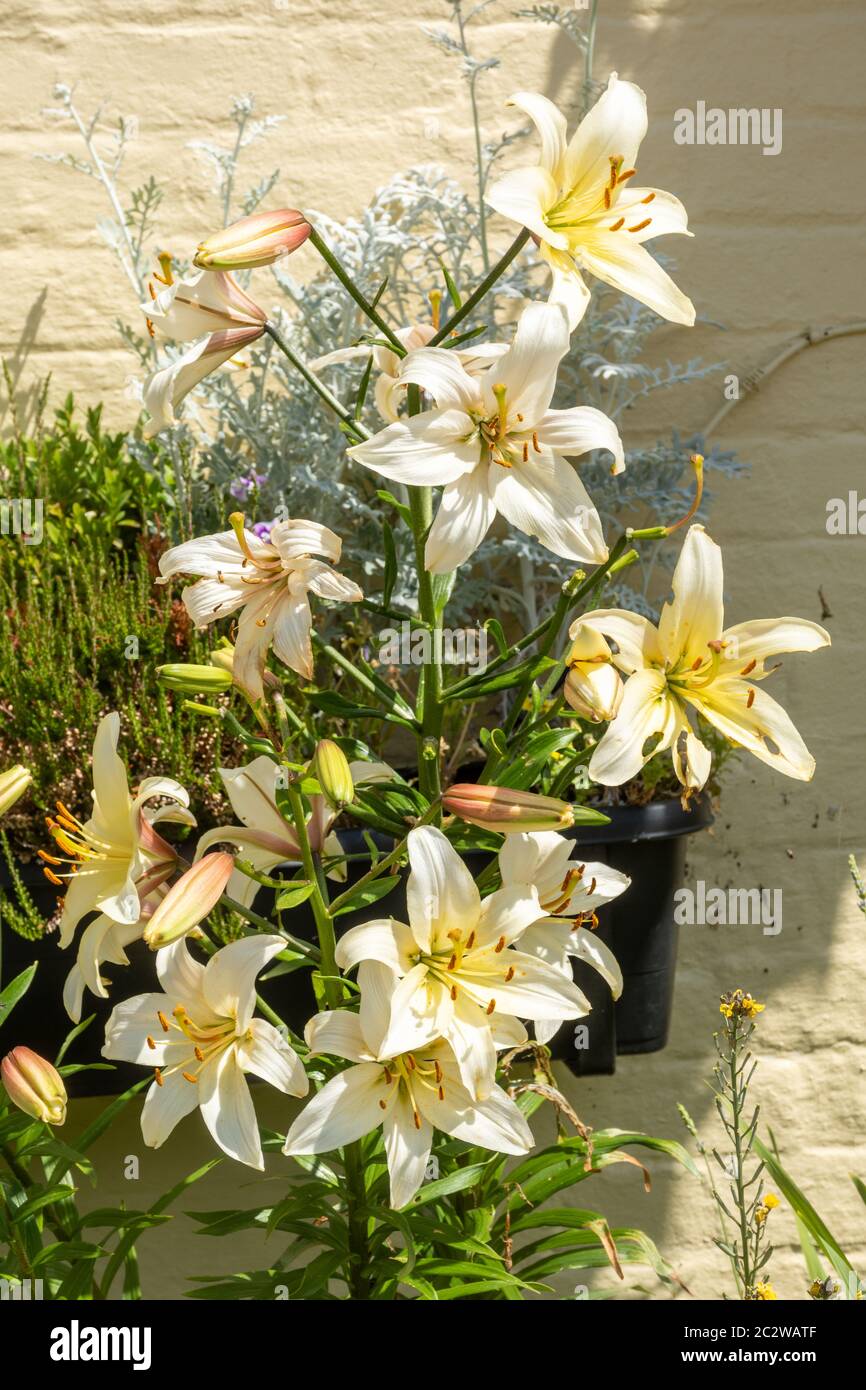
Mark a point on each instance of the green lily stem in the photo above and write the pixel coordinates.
(384, 863)
(478, 294)
(323, 919)
(429, 711)
(306, 948)
(346, 415)
(360, 299)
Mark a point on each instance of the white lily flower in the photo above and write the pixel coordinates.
(270, 581)
(264, 837)
(458, 962)
(390, 386)
(164, 390)
(201, 1038)
(567, 888)
(116, 858)
(410, 1094)
(582, 208)
(496, 446)
(692, 661)
(209, 302)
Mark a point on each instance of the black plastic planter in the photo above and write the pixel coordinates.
(649, 844)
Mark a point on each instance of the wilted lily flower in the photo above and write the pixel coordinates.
(270, 581)
(411, 1094)
(34, 1085)
(692, 661)
(260, 239)
(495, 445)
(580, 203)
(202, 1040)
(458, 962)
(164, 391)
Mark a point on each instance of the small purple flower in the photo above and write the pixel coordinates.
(241, 488)
(262, 529)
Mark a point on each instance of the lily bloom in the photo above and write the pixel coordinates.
(209, 302)
(390, 386)
(583, 209)
(458, 962)
(410, 1095)
(166, 388)
(260, 239)
(202, 1040)
(567, 889)
(13, 784)
(691, 661)
(34, 1085)
(495, 445)
(265, 839)
(269, 580)
(116, 858)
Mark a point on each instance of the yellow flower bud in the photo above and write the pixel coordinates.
(332, 772)
(34, 1085)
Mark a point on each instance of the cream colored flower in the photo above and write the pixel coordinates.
(692, 661)
(593, 685)
(581, 205)
(411, 1094)
(495, 445)
(202, 1040)
(458, 962)
(270, 581)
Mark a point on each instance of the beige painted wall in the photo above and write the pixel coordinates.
(778, 246)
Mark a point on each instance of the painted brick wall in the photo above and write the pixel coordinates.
(777, 247)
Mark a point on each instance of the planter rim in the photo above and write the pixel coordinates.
(657, 820)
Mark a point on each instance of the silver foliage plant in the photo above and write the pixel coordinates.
(257, 436)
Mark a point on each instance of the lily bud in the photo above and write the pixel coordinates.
(593, 685)
(34, 1085)
(224, 658)
(189, 901)
(505, 809)
(13, 784)
(260, 239)
(194, 680)
(332, 772)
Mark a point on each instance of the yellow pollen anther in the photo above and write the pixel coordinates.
(151, 1044)
(452, 964)
(383, 1105)
(607, 197)
(592, 887)
(188, 1076)
(639, 226)
(525, 452)
(751, 699)
(417, 1118)
(470, 941)
(648, 199)
(261, 622)
(163, 1021)
(535, 444)
(491, 1006)
(751, 666)
(615, 226)
(441, 1093)
(438, 1071)
(157, 1076)
(500, 945)
(199, 1055)
(52, 878)
(453, 993)
(509, 974)
(387, 1074)
(627, 174)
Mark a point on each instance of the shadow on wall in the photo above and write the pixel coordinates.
(20, 408)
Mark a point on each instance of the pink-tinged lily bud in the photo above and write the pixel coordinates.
(593, 685)
(332, 772)
(189, 901)
(505, 809)
(13, 784)
(34, 1085)
(260, 239)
